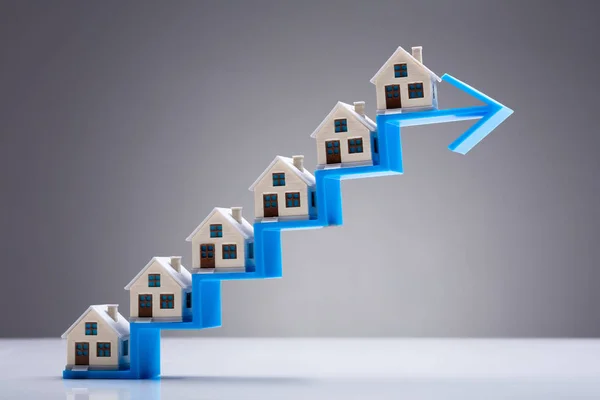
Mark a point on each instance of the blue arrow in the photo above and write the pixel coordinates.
(206, 288)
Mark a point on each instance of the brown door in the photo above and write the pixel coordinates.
(82, 353)
(392, 97)
(207, 255)
(145, 306)
(270, 206)
(332, 149)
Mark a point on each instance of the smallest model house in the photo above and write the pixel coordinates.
(404, 83)
(347, 137)
(161, 292)
(98, 340)
(223, 242)
(285, 191)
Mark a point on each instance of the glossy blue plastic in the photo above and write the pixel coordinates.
(206, 288)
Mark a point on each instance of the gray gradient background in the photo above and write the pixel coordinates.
(123, 123)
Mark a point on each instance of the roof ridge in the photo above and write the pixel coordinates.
(306, 176)
(401, 49)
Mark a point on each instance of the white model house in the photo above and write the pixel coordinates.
(285, 190)
(403, 83)
(346, 137)
(99, 339)
(161, 291)
(224, 241)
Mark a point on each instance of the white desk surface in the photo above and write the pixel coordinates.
(199, 368)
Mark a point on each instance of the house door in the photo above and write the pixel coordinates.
(392, 97)
(82, 353)
(207, 255)
(332, 149)
(270, 207)
(145, 306)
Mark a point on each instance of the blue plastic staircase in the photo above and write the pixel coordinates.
(206, 288)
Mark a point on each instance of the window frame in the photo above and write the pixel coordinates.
(278, 179)
(400, 70)
(392, 90)
(417, 88)
(84, 347)
(216, 230)
(168, 306)
(358, 148)
(294, 198)
(342, 124)
(99, 349)
(153, 280)
(204, 253)
(229, 251)
(93, 328)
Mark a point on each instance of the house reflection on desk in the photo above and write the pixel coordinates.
(112, 390)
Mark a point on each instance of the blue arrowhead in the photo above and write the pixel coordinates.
(492, 116)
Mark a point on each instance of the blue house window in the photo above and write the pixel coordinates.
(82, 349)
(167, 301)
(154, 280)
(145, 300)
(375, 144)
(332, 146)
(355, 145)
(188, 300)
(91, 328)
(279, 179)
(292, 199)
(392, 91)
(250, 250)
(270, 201)
(229, 251)
(207, 251)
(103, 350)
(400, 71)
(313, 199)
(126, 348)
(341, 125)
(216, 231)
(415, 90)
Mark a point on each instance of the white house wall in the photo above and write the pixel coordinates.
(416, 74)
(106, 334)
(293, 183)
(167, 286)
(231, 235)
(355, 130)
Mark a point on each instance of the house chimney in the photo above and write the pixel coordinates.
(176, 263)
(417, 52)
(236, 213)
(113, 311)
(298, 162)
(359, 107)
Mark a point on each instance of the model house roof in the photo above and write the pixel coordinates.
(362, 118)
(183, 278)
(120, 326)
(302, 172)
(398, 51)
(244, 227)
